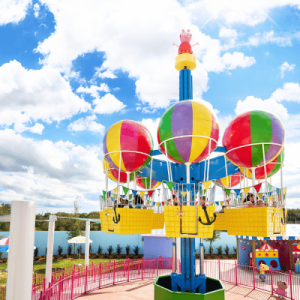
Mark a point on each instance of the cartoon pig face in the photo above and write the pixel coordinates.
(282, 285)
(185, 36)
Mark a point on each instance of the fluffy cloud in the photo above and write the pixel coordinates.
(143, 51)
(93, 89)
(289, 92)
(108, 104)
(30, 95)
(48, 172)
(286, 67)
(13, 11)
(87, 123)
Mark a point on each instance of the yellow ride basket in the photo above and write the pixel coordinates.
(126, 220)
(183, 221)
(256, 221)
(158, 221)
(220, 223)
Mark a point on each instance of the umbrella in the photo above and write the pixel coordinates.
(6, 248)
(78, 240)
(4, 241)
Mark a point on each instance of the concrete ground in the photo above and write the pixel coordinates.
(144, 290)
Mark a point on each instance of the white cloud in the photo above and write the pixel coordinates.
(152, 126)
(237, 59)
(13, 11)
(144, 52)
(87, 123)
(108, 104)
(37, 128)
(48, 172)
(30, 95)
(286, 67)
(269, 105)
(93, 89)
(228, 33)
(36, 9)
(290, 92)
(270, 37)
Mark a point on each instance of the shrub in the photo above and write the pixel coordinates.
(70, 250)
(127, 249)
(136, 250)
(234, 250)
(100, 249)
(221, 256)
(213, 256)
(110, 250)
(119, 249)
(60, 250)
(219, 250)
(114, 254)
(226, 250)
(36, 252)
(79, 250)
(229, 256)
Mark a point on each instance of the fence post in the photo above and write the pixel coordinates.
(235, 269)
(100, 273)
(124, 267)
(271, 271)
(128, 269)
(114, 272)
(253, 268)
(219, 265)
(72, 284)
(142, 268)
(85, 278)
(291, 284)
(109, 269)
(157, 265)
(138, 263)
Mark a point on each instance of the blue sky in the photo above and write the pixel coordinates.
(70, 69)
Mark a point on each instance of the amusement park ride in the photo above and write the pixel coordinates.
(188, 133)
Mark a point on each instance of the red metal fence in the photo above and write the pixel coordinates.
(72, 283)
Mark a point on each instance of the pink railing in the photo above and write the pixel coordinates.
(72, 283)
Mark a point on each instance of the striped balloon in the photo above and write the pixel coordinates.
(244, 136)
(113, 174)
(127, 144)
(185, 130)
(233, 180)
(144, 183)
(271, 168)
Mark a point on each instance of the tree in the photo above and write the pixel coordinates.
(215, 237)
(5, 209)
(75, 229)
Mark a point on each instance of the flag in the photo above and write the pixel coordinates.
(104, 194)
(277, 191)
(189, 186)
(130, 196)
(260, 195)
(246, 190)
(270, 187)
(125, 189)
(142, 193)
(227, 191)
(150, 193)
(206, 184)
(116, 190)
(237, 192)
(183, 194)
(170, 185)
(134, 192)
(257, 187)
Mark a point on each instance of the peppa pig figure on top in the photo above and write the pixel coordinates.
(185, 46)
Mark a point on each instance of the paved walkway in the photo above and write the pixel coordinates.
(144, 290)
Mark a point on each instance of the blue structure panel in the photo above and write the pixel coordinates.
(157, 246)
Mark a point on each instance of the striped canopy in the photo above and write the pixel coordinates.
(245, 135)
(185, 131)
(271, 169)
(144, 183)
(127, 144)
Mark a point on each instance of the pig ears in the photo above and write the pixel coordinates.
(188, 30)
(183, 31)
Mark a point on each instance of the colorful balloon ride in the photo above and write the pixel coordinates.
(249, 134)
(144, 183)
(188, 132)
(127, 146)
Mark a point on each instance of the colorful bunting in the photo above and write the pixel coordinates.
(237, 192)
(206, 184)
(125, 189)
(260, 195)
(257, 187)
(246, 190)
(142, 193)
(134, 192)
(130, 196)
(170, 185)
(227, 191)
(270, 186)
(189, 186)
(116, 190)
(183, 194)
(150, 193)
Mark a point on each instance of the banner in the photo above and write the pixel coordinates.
(206, 184)
(183, 194)
(116, 190)
(134, 192)
(246, 190)
(237, 192)
(227, 191)
(170, 185)
(189, 186)
(270, 187)
(125, 189)
(142, 193)
(150, 193)
(257, 187)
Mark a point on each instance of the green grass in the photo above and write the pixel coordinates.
(39, 267)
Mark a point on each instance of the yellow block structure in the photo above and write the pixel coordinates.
(185, 60)
(255, 221)
(158, 221)
(182, 221)
(132, 221)
(220, 223)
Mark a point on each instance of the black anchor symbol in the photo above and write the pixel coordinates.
(283, 221)
(117, 220)
(209, 222)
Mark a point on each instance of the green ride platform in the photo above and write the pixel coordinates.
(162, 290)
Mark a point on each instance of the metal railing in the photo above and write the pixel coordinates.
(72, 283)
